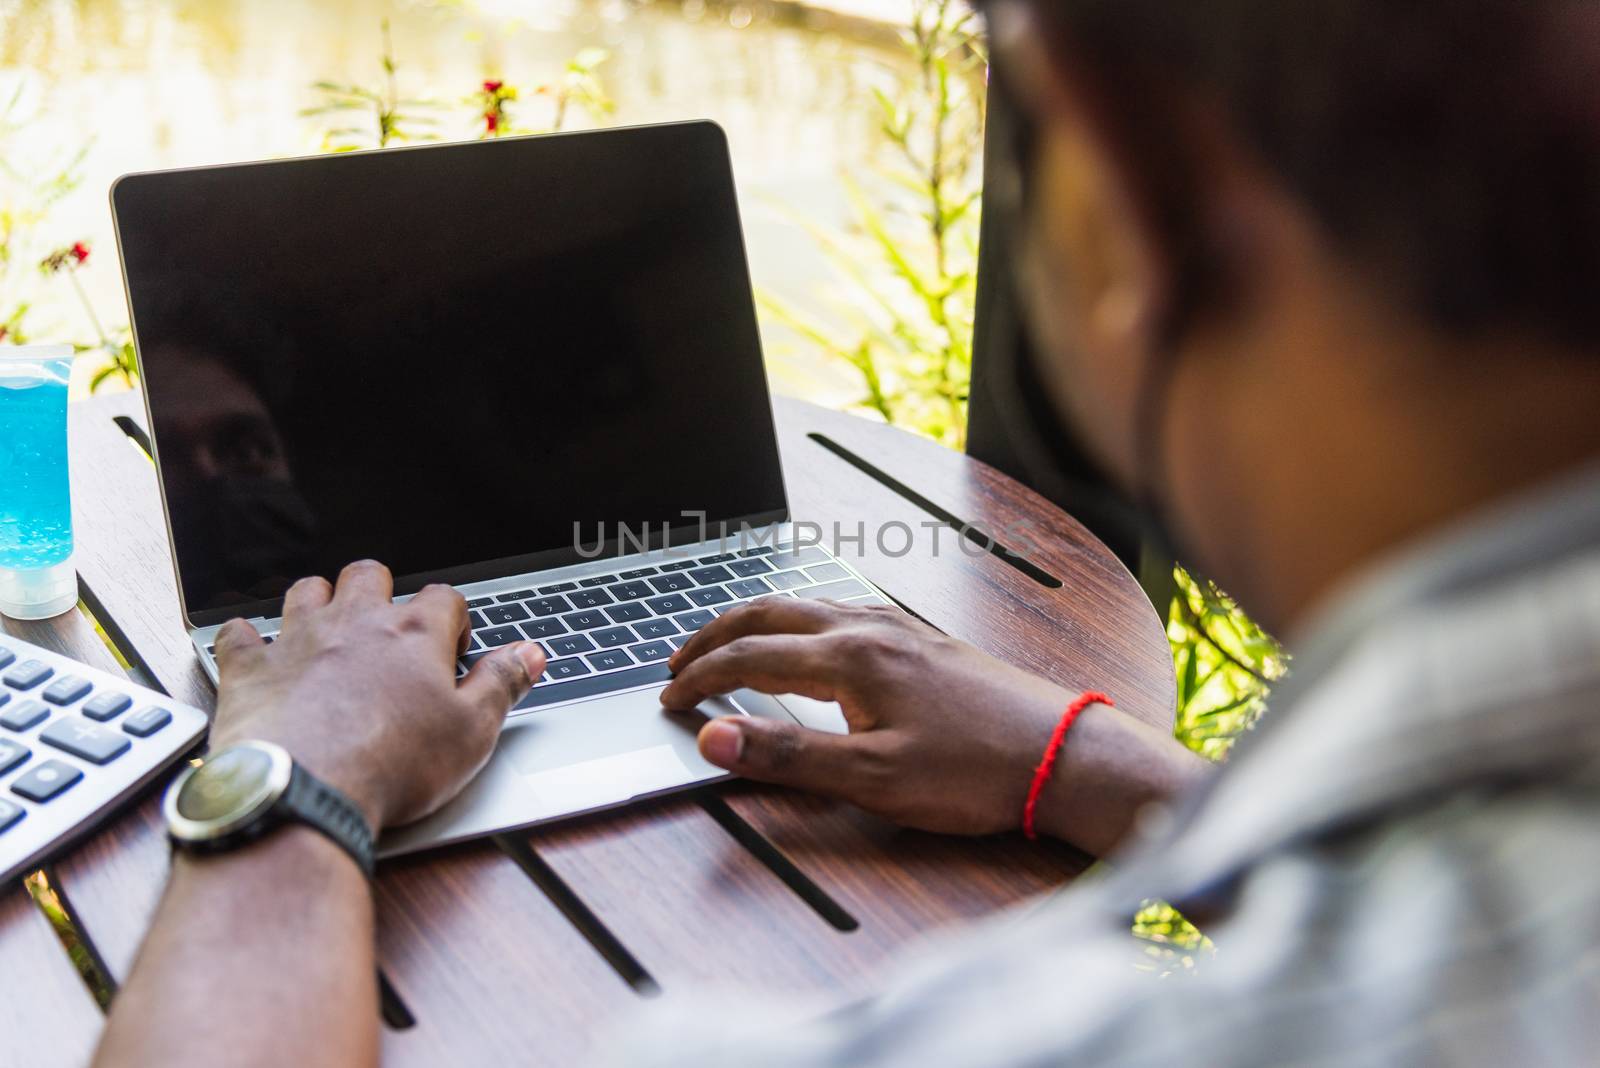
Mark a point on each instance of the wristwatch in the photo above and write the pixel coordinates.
(249, 789)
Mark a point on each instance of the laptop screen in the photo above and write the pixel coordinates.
(462, 360)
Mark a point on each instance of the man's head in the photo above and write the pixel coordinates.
(1289, 260)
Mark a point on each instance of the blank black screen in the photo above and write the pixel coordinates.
(446, 358)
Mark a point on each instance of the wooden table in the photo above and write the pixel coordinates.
(528, 948)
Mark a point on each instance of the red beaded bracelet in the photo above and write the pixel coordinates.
(1041, 775)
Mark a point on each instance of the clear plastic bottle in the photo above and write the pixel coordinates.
(37, 580)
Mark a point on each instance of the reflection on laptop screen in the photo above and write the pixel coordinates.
(445, 356)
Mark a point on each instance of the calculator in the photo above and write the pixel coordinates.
(74, 743)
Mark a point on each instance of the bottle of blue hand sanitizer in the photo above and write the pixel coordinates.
(37, 580)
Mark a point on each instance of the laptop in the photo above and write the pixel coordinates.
(526, 367)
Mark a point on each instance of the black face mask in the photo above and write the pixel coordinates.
(1054, 455)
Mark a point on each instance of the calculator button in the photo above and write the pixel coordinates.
(81, 738)
(6, 656)
(146, 721)
(108, 705)
(67, 689)
(22, 715)
(28, 674)
(46, 781)
(9, 814)
(11, 754)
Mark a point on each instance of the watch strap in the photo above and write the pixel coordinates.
(313, 802)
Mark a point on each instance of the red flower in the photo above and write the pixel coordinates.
(492, 87)
(491, 121)
(80, 250)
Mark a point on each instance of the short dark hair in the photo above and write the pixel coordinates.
(1449, 147)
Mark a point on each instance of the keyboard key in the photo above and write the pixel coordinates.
(515, 595)
(665, 606)
(10, 813)
(6, 656)
(86, 740)
(67, 689)
(146, 721)
(640, 572)
(571, 645)
(680, 641)
(495, 637)
(656, 628)
(107, 705)
(586, 620)
(650, 652)
(590, 598)
(599, 580)
(690, 622)
(47, 780)
(787, 558)
(480, 602)
(709, 596)
(22, 715)
(475, 621)
(827, 573)
(707, 576)
(505, 613)
(549, 693)
(543, 628)
(760, 550)
(750, 587)
(837, 591)
(672, 583)
(613, 636)
(559, 587)
(28, 674)
(679, 565)
(627, 613)
(469, 659)
(611, 658)
(11, 754)
(548, 606)
(630, 591)
(720, 558)
(747, 568)
(563, 669)
(788, 580)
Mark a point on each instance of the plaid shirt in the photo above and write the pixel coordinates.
(1404, 859)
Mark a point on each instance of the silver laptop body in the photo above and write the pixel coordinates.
(350, 357)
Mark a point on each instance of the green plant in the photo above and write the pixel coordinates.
(912, 258)
(578, 85)
(392, 117)
(25, 204)
(1226, 665)
(117, 345)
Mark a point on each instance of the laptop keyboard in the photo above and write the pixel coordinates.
(615, 632)
(611, 633)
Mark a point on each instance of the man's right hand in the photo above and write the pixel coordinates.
(363, 691)
(942, 736)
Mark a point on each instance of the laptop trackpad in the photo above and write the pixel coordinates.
(569, 759)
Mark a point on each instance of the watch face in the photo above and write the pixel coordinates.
(231, 783)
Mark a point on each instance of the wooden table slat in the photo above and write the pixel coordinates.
(47, 1018)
